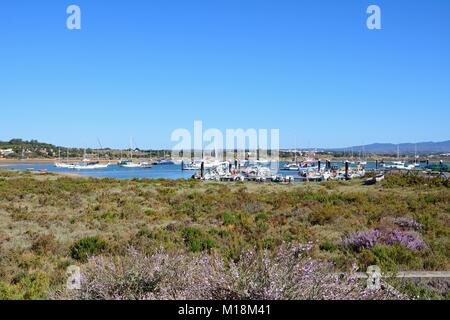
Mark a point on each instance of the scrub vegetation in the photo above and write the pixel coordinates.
(48, 222)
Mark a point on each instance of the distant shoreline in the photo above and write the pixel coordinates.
(39, 161)
(27, 162)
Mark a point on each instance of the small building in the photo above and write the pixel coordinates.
(6, 152)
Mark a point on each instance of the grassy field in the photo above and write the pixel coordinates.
(48, 222)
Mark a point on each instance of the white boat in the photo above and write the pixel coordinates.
(399, 165)
(291, 167)
(64, 165)
(129, 164)
(145, 165)
(197, 164)
(90, 166)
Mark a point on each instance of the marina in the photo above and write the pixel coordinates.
(287, 172)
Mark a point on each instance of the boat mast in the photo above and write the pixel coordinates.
(415, 153)
(131, 148)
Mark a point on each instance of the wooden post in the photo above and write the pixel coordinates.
(202, 169)
(318, 165)
(376, 164)
(346, 170)
(182, 165)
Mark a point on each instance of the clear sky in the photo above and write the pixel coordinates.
(144, 68)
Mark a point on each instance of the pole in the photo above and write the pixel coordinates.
(202, 169)
(346, 170)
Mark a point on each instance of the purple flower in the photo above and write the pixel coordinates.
(363, 239)
(410, 239)
(367, 239)
(408, 223)
(290, 273)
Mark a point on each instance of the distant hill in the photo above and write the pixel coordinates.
(405, 148)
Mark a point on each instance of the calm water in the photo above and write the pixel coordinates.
(114, 171)
(156, 172)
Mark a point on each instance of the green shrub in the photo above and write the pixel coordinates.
(86, 247)
(33, 286)
(261, 217)
(395, 257)
(229, 218)
(196, 240)
(327, 246)
(324, 215)
(415, 291)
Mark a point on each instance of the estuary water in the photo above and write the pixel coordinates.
(156, 172)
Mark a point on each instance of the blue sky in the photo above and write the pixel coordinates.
(144, 68)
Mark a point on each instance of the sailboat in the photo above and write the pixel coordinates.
(362, 161)
(87, 164)
(90, 166)
(416, 157)
(400, 165)
(165, 161)
(62, 165)
(129, 163)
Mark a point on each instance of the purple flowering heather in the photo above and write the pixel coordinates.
(409, 239)
(287, 274)
(408, 223)
(367, 239)
(363, 239)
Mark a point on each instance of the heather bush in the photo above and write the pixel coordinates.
(290, 273)
(409, 239)
(408, 223)
(368, 239)
(363, 239)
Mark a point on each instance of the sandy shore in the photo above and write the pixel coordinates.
(30, 162)
(26, 162)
